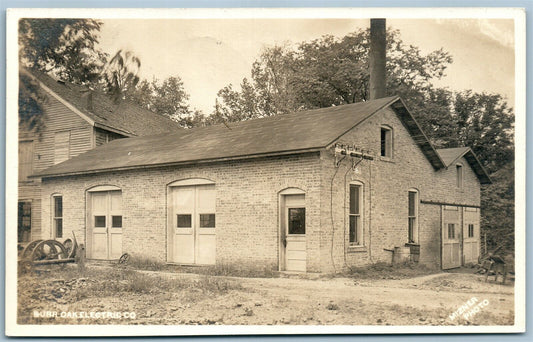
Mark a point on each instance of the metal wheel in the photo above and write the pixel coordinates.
(124, 258)
(49, 250)
(68, 245)
(26, 252)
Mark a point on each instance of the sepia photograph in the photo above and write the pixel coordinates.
(265, 171)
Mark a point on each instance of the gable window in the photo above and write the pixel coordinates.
(61, 146)
(57, 212)
(386, 142)
(459, 170)
(413, 216)
(356, 227)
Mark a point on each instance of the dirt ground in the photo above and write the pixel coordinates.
(70, 297)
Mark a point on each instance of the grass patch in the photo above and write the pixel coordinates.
(241, 269)
(144, 263)
(382, 270)
(71, 284)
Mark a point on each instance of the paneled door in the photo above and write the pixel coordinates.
(105, 220)
(293, 213)
(451, 237)
(193, 234)
(470, 235)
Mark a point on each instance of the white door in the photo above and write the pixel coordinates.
(451, 237)
(193, 233)
(470, 235)
(105, 220)
(293, 214)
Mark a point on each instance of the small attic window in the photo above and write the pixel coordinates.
(386, 142)
(459, 169)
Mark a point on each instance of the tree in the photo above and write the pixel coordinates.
(170, 98)
(121, 74)
(167, 98)
(67, 47)
(485, 123)
(30, 103)
(497, 209)
(325, 72)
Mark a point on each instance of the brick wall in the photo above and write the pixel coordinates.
(246, 205)
(247, 202)
(386, 185)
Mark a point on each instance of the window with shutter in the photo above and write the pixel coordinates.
(25, 159)
(61, 146)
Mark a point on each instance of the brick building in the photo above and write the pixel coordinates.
(77, 119)
(313, 191)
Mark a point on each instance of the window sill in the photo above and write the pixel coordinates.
(409, 244)
(386, 159)
(357, 249)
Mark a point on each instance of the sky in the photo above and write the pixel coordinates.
(208, 54)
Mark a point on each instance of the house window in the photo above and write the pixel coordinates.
(386, 142)
(296, 220)
(356, 227)
(413, 216)
(58, 216)
(25, 159)
(451, 231)
(61, 146)
(459, 169)
(470, 230)
(24, 221)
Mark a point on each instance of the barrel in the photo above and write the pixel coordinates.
(401, 255)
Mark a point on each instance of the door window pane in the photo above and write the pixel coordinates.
(116, 221)
(470, 230)
(99, 221)
(296, 220)
(207, 220)
(184, 221)
(451, 230)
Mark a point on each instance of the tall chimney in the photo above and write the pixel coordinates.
(377, 56)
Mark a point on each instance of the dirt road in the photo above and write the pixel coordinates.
(177, 298)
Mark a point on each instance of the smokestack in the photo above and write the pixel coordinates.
(377, 55)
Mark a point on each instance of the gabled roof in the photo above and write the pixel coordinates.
(125, 118)
(451, 155)
(284, 134)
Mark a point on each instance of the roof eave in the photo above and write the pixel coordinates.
(114, 130)
(188, 162)
(476, 165)
(420, 137)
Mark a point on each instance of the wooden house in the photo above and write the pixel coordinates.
(76, 119)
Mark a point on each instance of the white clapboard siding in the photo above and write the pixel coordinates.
(58, 118)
